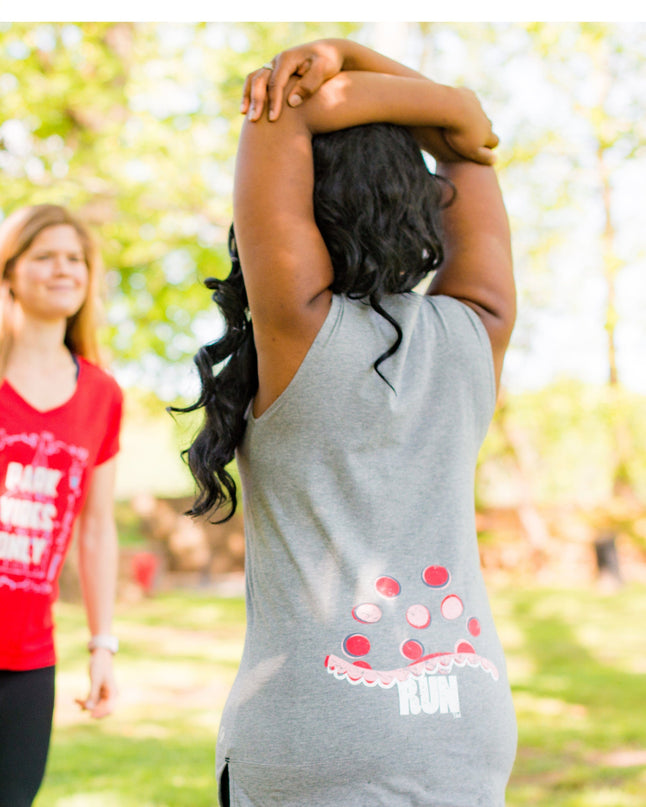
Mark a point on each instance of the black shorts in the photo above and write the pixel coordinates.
(26, 709)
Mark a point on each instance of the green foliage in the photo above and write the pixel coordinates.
(568, 434)
(135, 125)
(564, 99)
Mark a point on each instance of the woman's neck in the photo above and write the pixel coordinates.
(38, 343)
(40, 367)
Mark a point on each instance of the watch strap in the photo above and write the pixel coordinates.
(104, 640)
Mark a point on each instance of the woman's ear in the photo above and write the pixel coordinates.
(5, 285)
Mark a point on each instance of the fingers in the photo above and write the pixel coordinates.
(246, 89)
(311, 80)
(485, 156)
(103, 708)
(481, 155)
(98, 704)
(469, 149)
(93, 698)
(255, 93)
(266, 86)
(284, 69)
(103, 689)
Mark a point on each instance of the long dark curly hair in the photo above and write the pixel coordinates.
(378, 209)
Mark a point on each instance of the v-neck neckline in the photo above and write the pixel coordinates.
(27, 403)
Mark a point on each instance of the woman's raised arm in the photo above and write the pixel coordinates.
(478, 267)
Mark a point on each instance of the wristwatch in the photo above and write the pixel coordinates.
(104, 640)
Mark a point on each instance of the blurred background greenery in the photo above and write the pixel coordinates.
(134, 126)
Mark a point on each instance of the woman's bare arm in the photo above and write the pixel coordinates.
(285, 263)
(98, 553)
(477, 267)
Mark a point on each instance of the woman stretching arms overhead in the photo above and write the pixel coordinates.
(372, 673)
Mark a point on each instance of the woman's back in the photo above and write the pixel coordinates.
(369, 636)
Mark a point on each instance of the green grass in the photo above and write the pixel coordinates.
(577, 661)
(178, 658)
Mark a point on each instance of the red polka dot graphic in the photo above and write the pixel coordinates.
(436, 576)
(367, 612)
(387, 586)
(451, 607)
(418, 616)
(419, 657)
(412, 650)
(356, 645)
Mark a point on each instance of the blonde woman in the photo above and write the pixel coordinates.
(59, 429)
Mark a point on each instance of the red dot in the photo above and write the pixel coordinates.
(367, 612)
(356, 645)
(387, 586)
(464, 647)
(436, 576)
(412, 649)
(451, 607)
(473, 627)
(418, 616)
(363, 664)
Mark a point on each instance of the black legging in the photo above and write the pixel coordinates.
(26, 708)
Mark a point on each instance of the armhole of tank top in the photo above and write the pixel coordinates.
(325, 332)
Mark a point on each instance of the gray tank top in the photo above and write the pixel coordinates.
(372, 673)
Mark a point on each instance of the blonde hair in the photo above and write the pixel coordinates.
(17, 233)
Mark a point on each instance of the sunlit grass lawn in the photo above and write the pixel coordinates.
(577, 660)
(178, 658)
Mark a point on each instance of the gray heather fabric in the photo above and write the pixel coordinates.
(372, 673)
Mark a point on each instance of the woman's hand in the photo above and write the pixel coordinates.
(103, 688)
(313, 64)
(471, 135)
(431, 139)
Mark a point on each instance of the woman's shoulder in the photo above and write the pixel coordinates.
(91, 375)
(444, 314)
(458, 318)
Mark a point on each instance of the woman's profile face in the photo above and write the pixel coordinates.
(50, 279)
